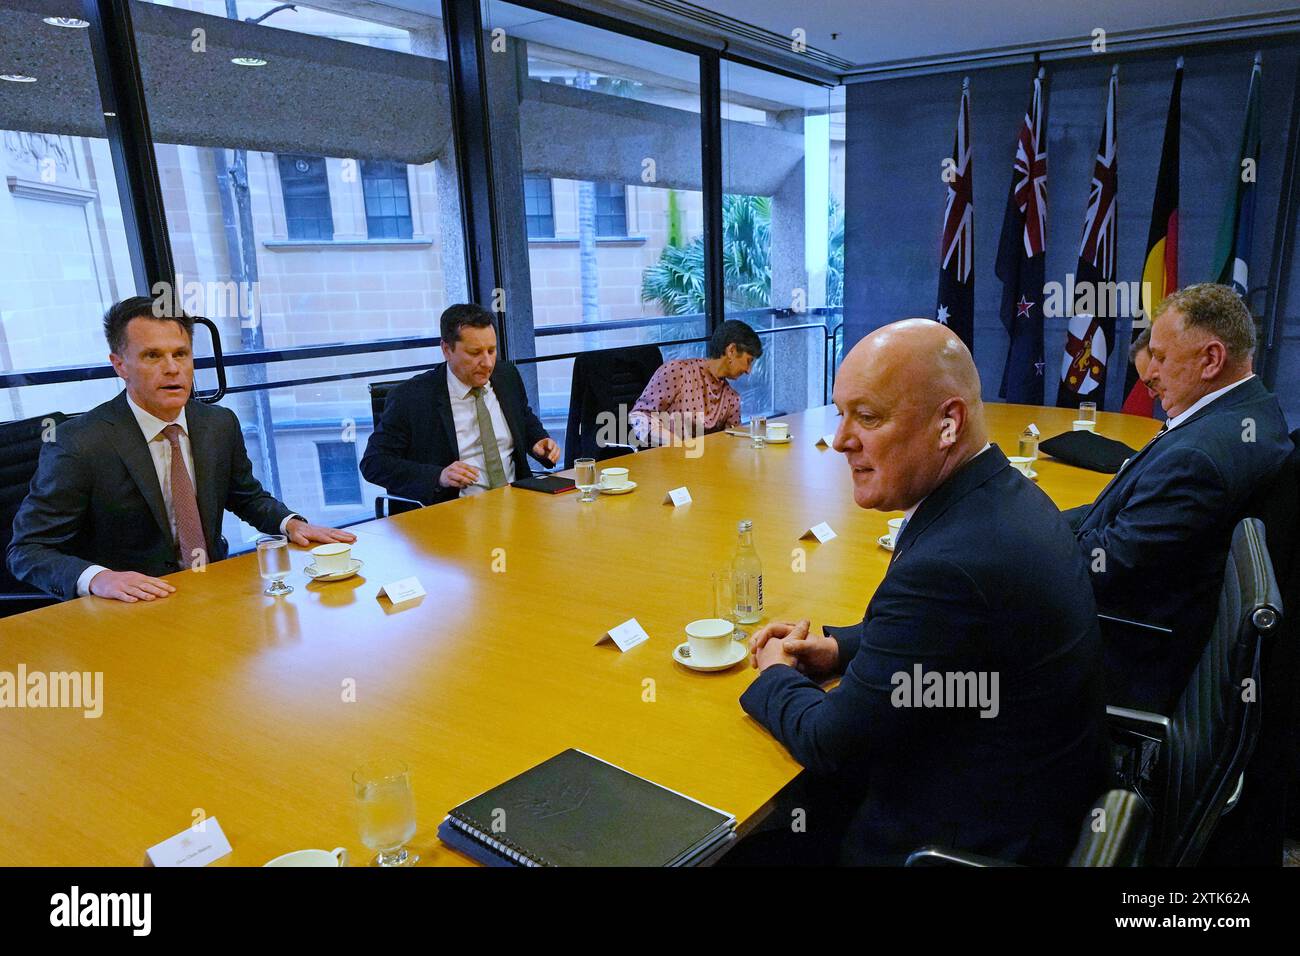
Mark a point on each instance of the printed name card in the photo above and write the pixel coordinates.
(827, 441)
(678, 497)
(627, 635)
(1033, 429)
(407, 589)
(197, 845)
(822, 532)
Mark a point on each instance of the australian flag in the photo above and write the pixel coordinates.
(1021, 252)
(956, 305)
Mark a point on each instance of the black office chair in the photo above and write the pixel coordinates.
(603, 382)
(387, 505)
(20, 450)
(1254, 833)
(1190, 765)
(1115, 833)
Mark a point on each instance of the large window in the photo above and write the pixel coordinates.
(783, 227)
(344, 231)
(609, 143)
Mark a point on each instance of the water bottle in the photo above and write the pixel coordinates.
(747, 577)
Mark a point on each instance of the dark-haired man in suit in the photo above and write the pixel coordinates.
(986, 594)
(1157, 537)
(135, 488)
(461, 428)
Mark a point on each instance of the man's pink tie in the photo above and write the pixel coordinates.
(185, 505)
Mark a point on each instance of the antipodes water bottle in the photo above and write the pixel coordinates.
(747, 577)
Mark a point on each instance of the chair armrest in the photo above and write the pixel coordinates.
(381, 512)
(938, 856)
(1141, 723)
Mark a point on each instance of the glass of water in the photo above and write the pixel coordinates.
(584, 476)
(385, 810)
(273, 563)
(724, 600)
(1088, 412)
(758, 431)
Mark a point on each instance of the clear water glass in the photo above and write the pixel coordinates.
(385, 810)
(758, 431)
(1088, 412)
(273, 563)
(724, 601)
(584, 476)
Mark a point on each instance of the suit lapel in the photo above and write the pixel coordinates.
(442, 406)
(134, 452)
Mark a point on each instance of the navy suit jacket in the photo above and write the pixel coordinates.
(986, 578)
(416, 437)
(1156, 538)
(95, 497)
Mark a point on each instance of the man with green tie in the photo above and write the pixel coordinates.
(462, 428)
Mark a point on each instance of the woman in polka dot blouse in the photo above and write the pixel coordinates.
(687, 394)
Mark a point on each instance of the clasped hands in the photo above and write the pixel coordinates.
(783, 642)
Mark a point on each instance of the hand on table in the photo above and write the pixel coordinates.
(782, 642)
(301, 533)
(129, 586)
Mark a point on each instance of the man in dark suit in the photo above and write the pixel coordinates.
(969, 713)
(135, 488)
(430, 444)
(1156, 538)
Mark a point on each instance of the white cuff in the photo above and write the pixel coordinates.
(285, 523)
(83, 582)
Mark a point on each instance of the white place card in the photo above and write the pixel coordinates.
(627, 635)
(197, 845)
(822, 532)
(678, 497)
(1033, 429)
(407, 589)
(827, 441)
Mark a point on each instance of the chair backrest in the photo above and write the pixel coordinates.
(603, 381)
(1115, 832)
(20, 450)
(378, 396)
(1215, 724)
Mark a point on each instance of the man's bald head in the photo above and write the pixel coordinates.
(909, 395)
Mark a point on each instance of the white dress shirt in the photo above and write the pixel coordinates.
(160, 449)
(1202, 402)
(465, 415)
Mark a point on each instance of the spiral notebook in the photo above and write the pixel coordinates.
(578, 810)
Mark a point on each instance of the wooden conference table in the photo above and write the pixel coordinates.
(222, 700)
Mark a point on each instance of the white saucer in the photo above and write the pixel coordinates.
(622, 490)
(681, 654)
(886, 542)
(317, 575)
(779, 441)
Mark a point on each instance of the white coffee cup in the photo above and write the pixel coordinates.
(613, 477)
(894, 525)
(1020, 464)
(778, 431)
(1083, 425)
(710, 640)
(336, 857)
(332, 557)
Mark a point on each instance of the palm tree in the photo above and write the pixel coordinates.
(676, 281)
